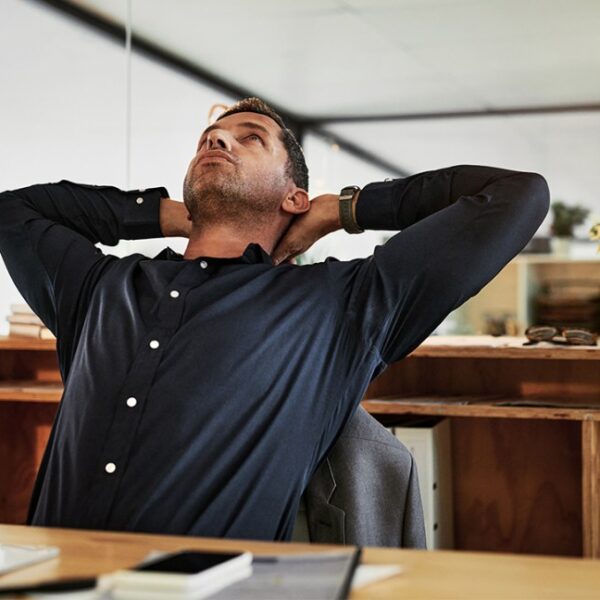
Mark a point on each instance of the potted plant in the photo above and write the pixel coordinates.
(565, 218)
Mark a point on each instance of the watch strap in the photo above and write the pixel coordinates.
(347, 219)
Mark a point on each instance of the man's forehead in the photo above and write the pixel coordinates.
(246, 119)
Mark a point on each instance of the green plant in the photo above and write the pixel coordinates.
(566, 217)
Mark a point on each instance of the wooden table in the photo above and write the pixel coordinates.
(425, 574)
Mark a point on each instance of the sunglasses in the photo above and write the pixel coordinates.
(564, 337)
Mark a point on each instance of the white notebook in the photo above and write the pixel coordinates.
(14, 557)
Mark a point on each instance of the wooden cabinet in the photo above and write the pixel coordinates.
(30, 389)
(525, 424)
(525, 434)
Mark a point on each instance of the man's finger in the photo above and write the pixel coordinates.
(287, 251)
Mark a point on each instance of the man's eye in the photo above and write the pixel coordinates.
(254, 137)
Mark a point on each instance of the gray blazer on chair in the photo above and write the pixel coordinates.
(365, 493)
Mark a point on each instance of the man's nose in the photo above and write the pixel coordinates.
(218, 139)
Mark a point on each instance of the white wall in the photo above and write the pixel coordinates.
(61, 107)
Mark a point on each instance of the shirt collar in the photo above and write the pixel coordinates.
(253, 254)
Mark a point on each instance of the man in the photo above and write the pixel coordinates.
(202, 391)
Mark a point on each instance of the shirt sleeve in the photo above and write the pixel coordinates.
(47, 237)
(459, 227)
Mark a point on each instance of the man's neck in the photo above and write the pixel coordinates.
(224, 241)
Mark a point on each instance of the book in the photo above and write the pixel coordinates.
(21, 309)
(30, 330)
(325, 575)
(25, 329)
(46, 334)
(27, 318)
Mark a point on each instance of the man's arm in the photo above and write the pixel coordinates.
(459, 227)
(48, 232)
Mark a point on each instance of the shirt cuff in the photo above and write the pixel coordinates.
(377, 205)
(141, 217)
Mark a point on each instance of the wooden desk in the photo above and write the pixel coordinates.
(426, 574)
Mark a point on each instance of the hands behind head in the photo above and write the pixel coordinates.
(175, 220)
(305, 229)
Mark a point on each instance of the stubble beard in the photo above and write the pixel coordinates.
(223, 198)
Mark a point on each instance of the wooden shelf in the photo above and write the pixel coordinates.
(472, 346)
(30, 391)
(487, 346)
(25, 343)
(480, 406)
(553, 259)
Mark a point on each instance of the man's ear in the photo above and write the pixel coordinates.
(296, 201)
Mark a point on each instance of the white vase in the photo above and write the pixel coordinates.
(561, 246)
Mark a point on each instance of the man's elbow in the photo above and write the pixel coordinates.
(537, 194)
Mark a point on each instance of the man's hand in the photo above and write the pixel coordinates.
(322, 218)
(174, 221)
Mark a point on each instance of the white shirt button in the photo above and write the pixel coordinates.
(154, 344)
(203, 264)
(110, 467)
(131, 402)
(174, 294)
(139, 200)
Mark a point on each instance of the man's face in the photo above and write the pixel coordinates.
(238, 172)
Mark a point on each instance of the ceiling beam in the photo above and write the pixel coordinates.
(352, 148)
(457, 114)
(117, 33)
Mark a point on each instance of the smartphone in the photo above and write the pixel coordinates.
(184, 574)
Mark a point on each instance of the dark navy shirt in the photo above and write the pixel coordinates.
(200, 395)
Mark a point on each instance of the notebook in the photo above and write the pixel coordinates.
(14, 557)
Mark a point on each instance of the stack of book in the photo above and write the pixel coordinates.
(24, 322)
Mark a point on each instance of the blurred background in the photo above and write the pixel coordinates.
(118, 91)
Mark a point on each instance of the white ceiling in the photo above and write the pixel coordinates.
(366, 57)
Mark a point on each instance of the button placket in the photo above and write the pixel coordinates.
(172, 304)
(120, 437)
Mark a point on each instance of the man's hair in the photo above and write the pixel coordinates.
(296, 167)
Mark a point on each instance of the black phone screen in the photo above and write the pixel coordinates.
(188, 562)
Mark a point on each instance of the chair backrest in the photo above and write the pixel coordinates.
(365, 493)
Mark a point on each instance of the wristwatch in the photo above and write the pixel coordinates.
(347, 219)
